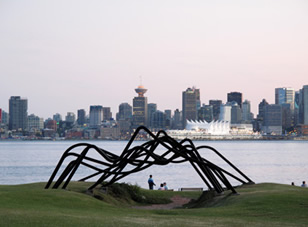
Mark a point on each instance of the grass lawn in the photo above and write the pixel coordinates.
(257, 205)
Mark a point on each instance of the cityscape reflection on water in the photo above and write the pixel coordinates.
(262, 161)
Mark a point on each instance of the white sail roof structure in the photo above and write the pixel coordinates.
(213, 128)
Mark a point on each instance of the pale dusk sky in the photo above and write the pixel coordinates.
(67, 55)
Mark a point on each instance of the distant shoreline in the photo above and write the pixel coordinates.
(204, 138)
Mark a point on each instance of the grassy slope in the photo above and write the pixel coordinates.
(257, 205)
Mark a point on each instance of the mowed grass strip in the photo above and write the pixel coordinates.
(257, 205)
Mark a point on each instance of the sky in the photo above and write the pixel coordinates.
(67, 55)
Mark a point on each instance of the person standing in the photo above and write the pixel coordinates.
(151, 182)
(304, 184)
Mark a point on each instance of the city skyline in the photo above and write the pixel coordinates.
(64, 56)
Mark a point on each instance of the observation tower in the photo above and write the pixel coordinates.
(141, 91)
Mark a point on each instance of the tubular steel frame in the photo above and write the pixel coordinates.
(142, 157)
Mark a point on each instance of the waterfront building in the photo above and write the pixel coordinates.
(152, 108)
(110, 133)
(57, 117)
(81, 117)
(216, 108)
(236, 113)
(225, 112)
(272, 123)
(190, 102)
(247, 116)
(18, 113)
(235, 96)
(211, 128)
(51, 125)
(96, 116)
(140, 108)
(205, 113)
(35, 123)
(0, 115)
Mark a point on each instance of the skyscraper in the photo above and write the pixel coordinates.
(225, 112)
(158, 120)
(81, 117)
(177, 120)
(285, 95)
(303, 105)
(247, 116)
(107, 115)
(96, 116)
(152, 108)
(236, 113)
(125, 112)
(235, 96)
(18, 115)
(140, 108)
(272, 123)
(190, 100)
(261, 107)
(205, 113)
(216, 108)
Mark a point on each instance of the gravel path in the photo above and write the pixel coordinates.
(177, 201)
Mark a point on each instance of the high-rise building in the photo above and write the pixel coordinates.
(96, 116)
(168, 118)
(235, 96)
(303, 105)
(125, 112)
(124, 118)
(70, 117)
(261, 107)
(216, 108)
(236, 113)
(81, 117)
(57, 117)
(247, 116)
(285, 95)
(286, 117)
(177, 120)
(107, 115)
(35, 123)
(296, 108)
(190, 100)
(272, 123)
(158, 120)
(18, 113)
(5, 118)
(152, 108)
(205, 113)
(225, 112)
(140, 108)
(0, 115)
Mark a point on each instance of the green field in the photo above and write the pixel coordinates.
(257, 205)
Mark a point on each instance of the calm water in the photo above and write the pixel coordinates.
(263, 161)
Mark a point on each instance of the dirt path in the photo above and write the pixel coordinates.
(177, 201)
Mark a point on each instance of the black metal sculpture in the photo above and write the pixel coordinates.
(141, 157)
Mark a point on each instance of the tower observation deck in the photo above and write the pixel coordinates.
(140, 91)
